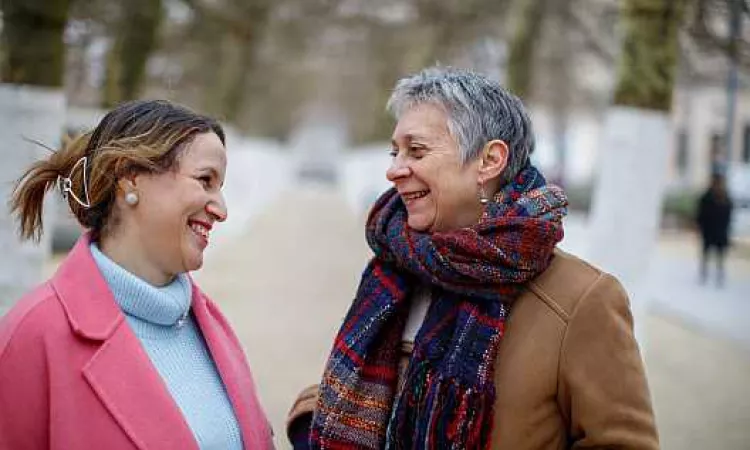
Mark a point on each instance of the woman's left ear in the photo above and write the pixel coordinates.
(494, 159)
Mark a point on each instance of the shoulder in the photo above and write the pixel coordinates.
(216, 319)
(36, 315)
(211, 307)
(569, 280)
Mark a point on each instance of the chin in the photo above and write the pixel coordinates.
(193, 262)
(418, 224)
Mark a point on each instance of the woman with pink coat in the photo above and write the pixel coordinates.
(120, 349)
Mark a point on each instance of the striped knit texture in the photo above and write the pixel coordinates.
(475, 273)
(179, 353)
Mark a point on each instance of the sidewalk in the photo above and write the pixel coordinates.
(286, 282)
(674, 283)
(673, 287)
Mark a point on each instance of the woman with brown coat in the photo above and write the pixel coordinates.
(470, 330)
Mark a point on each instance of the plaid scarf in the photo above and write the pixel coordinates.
(475, 273)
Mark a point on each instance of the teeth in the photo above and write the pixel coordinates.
(414, 195)
(199, 229)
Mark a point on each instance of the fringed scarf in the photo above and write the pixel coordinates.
(447, 397)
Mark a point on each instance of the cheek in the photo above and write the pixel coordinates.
(166, 215)
(457, 195)
(165, 219)
(447, 187)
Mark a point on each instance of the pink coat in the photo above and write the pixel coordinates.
(74, 376)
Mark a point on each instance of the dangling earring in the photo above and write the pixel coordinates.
(131, 198)
(483, 199)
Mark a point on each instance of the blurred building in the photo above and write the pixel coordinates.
(699, 117)
(700, 126)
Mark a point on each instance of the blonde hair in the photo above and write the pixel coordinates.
(135, 137)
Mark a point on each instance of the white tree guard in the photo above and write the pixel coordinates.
(626, 208)
(25, 113)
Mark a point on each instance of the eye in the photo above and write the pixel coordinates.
(393, 152)
(417, 152)
(205, 180)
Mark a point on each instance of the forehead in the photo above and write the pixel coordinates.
(205, 149)
(426, 120)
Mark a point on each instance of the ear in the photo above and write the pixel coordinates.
(493, 160)
(127, 183)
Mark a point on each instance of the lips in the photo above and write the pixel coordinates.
(201, 229)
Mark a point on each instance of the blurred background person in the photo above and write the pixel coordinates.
(714, 221)
(120, 349)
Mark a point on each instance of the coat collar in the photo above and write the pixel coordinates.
(84, 294)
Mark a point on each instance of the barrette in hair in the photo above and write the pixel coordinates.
(65, 184)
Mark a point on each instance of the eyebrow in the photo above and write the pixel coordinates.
(213, 172)
(411, 137)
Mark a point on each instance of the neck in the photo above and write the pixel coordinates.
(493, 187)
(134, 259)
(474, 216)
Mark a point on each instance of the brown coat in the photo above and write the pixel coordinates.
(569, 373)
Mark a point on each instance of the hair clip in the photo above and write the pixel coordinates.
(65, 184)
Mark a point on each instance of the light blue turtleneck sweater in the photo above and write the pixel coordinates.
(159, 317)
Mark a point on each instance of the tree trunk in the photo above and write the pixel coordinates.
(562, 58)
(34, 52)
(234, 91)
(626, 207)
(529, 18)
(136, 38)
(647, 64)
(32, 107)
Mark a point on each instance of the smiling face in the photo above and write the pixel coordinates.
(440, 193)
(166, 232)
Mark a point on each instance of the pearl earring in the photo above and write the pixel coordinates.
(131, 198)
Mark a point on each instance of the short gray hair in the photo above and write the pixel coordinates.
(479, 110)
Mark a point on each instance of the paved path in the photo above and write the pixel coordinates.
(286, 282)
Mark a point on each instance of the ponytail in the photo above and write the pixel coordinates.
(27, 200)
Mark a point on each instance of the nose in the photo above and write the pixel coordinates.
(398, 169)
(217, 207)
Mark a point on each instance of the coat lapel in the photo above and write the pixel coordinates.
(120, 372)
(125, 381)
(234, 373)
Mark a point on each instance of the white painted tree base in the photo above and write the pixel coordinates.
(32, 113)
(626, 207)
